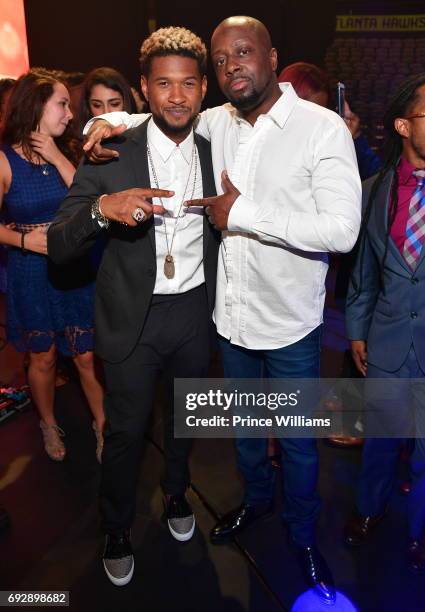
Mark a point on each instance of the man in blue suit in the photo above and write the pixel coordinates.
(385, 315)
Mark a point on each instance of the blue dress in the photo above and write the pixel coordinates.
(46, 304)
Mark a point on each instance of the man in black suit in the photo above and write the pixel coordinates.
(156, 284)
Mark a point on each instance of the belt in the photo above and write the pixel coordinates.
(24, 228)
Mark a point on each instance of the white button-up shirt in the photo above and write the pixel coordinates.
(300, 199)
(175, 170)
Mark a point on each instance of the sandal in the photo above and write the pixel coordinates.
(99, 441)
(53, 444)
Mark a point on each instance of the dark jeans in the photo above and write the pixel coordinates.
(381, 455)
(299, 455)
(175, 342)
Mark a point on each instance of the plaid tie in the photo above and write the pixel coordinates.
(415, 227)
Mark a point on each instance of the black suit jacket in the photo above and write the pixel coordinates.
(126, 277)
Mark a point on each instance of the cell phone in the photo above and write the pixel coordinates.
(340, 99)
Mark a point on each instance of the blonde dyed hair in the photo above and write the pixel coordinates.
(173, 41)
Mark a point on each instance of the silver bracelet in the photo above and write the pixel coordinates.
(97, 214)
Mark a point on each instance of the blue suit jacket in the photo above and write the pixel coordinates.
(393, 320)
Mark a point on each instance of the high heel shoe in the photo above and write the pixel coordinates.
(99, 441)
(53, 444)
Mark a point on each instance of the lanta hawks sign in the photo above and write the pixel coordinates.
(380, 23)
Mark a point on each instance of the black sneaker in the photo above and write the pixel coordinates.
(118, 559)
(180, 517)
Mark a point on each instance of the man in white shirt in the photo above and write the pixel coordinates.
(292, 195)
(155, 288)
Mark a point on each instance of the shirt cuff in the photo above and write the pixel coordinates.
(242, 215)
(90, 123)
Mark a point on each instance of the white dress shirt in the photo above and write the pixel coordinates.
(175, 170)
(300, 199)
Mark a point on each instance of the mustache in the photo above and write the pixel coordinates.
(239, 77)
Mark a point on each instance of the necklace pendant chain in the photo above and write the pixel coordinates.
(169, 264)
(169, 268)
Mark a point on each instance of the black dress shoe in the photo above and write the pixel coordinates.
(317, 572)
(358, 528)
(235, 521)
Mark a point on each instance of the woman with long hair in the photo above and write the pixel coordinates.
(105, 90)
(49, 309)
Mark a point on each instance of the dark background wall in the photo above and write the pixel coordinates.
(84, 34)
(369, 7)
(299, 30)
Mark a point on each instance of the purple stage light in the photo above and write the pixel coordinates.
(309, 601)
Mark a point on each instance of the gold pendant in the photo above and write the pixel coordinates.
(169, 269)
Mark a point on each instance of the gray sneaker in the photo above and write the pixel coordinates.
(118, 559)
(180, 517)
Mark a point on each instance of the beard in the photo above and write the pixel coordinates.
(169, 128)
(249, 101)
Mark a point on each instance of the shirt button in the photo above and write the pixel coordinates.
(414, 280)
(413, 315)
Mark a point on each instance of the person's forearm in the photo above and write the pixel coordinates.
(363, 291)
(202, 124)
(326, 231)
(9, 237)
(326, 218)
(118, 118)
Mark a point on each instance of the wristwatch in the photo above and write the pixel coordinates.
(97, 214)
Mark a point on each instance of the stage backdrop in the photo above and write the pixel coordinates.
(90, 33)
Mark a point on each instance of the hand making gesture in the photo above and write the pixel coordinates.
(218, 207)
(101, 130)
(121, 206)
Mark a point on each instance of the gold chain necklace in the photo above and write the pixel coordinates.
(169, 264)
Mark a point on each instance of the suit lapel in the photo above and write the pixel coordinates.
(139, 158)
(208, 185)
(382, 219)
(382, 206)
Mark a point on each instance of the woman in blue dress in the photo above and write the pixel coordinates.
(49, 309)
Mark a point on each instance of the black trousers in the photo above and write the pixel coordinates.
(175, 342)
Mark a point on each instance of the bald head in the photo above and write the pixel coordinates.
(245, 24)
(245, 65)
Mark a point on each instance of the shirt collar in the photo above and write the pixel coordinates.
(282, 108)
(405, 171)
(165, 146)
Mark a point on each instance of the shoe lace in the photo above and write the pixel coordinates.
(178, 506)
(118, 545)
